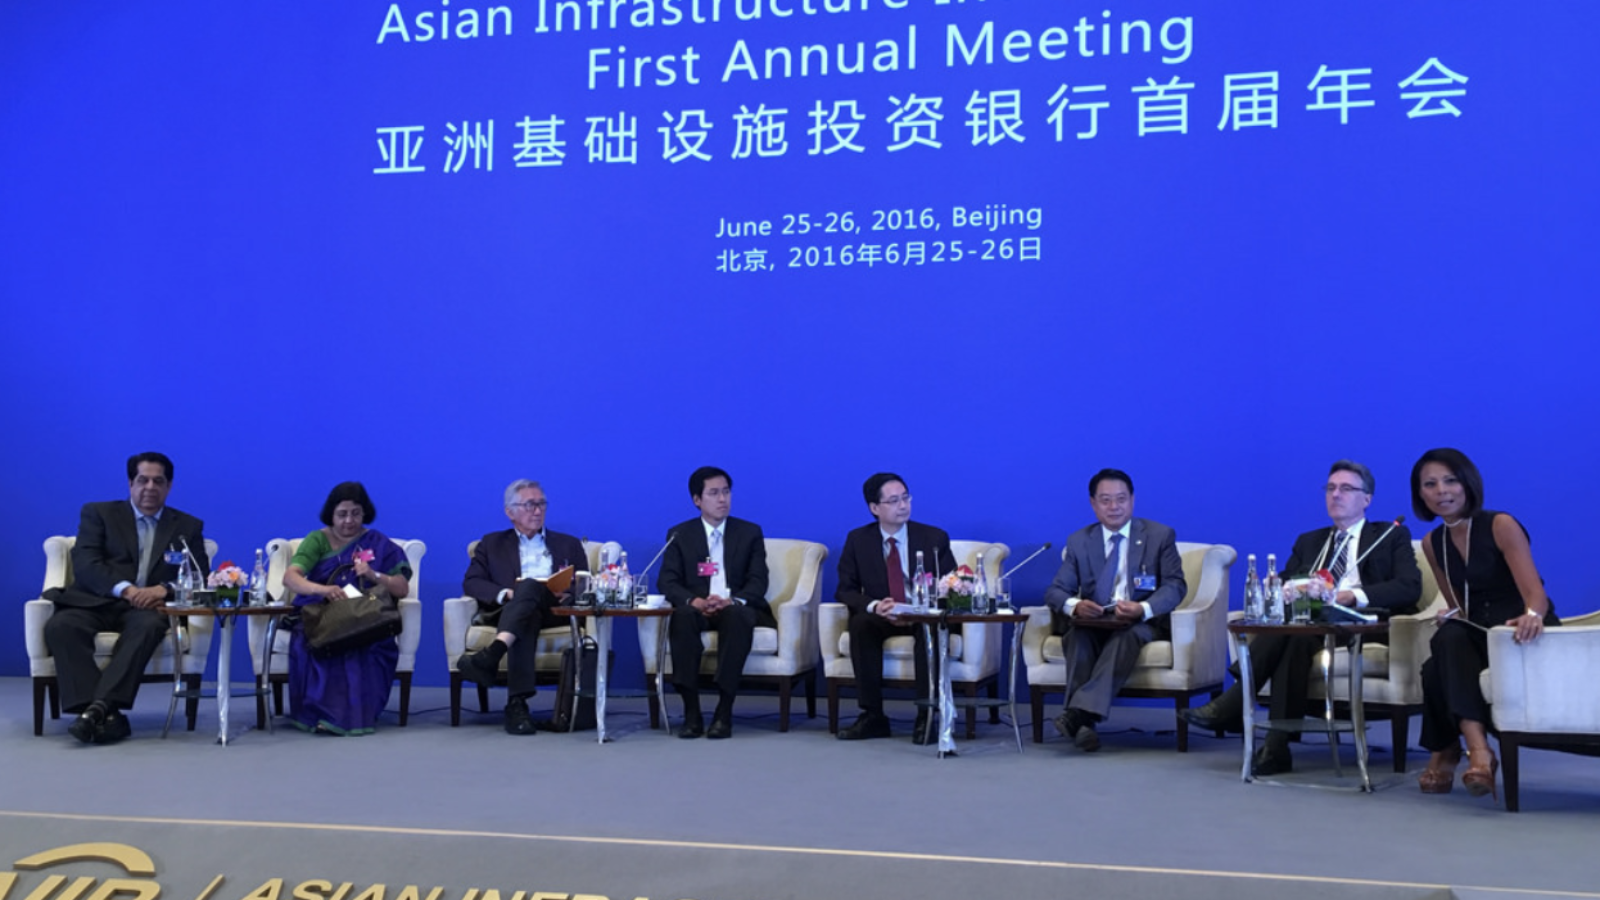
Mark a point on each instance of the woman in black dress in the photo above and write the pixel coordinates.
(1483, 566)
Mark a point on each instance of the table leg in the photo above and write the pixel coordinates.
(1016, 652)
(224, 678)
(947, 703)
(575, 624)
(265, 681)
(602, 639)
(1241, 651)
(1358, 714)
(1329, 647)
(177, 673)
(661, 676)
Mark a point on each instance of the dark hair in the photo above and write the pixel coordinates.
(1115, 474)
(1356, 469)
(1459, 466)
(349, 490)
(149, 456)
(697, 481)
(873, 489)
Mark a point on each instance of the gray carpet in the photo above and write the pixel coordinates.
(765, 814)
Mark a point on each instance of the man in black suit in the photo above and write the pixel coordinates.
(1372, 567)
(503, 577)
(714, 573)
(119, 577)
(875, 574)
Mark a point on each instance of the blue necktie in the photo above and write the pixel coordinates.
(1106, 587)
(147, 529)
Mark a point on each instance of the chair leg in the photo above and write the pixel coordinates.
(277, 696)
(1399, 736)
(785, 694)
(54, 690)
(1508, 767)
(483, 698)
(405, 697)
(455, 699)
(833, 706)
(39, 690)
(261, 705)
(1036, 698)
(1181, 702)
(994, 694)
(811, 693)
(191, 705)
(655, 710)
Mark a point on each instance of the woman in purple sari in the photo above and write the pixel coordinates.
(343, 693)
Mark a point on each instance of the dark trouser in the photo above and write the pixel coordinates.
(735, 627)
(525, 615)
(69, 634)
(1099, 662)
(1286, 659)
(868, 631)
(1450, 684)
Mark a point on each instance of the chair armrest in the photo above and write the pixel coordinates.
(1585, 619)
(1033, 636)
(410, 631)
(832, 621)
(1409, 637)
(649, 629)
(797, 641)
(980, 643)
(1545, 685)
(34, 614)
(458, 613)
(1200, 643)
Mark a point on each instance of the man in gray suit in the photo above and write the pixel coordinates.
(1118, 581)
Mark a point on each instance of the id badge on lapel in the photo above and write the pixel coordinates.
(1144, 583)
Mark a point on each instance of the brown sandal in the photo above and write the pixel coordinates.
(1480, 780)
(1440, 780)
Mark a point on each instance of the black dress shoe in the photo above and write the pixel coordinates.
(866, 726)
(1218, 715)
(693, 726)
(921, 734)
(517, 719)
(114, 729)
(480, 667)
(87, 726)
(1270, 760)
(721, 728)
(1078, 727)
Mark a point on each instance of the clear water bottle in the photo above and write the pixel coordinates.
(980, 591)
(1254, 606)
(258, 580)
(187, 582)
(1274, 592)
(624, 594)
(919, 584)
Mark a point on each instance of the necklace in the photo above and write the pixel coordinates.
(1450, 524)
(1444, 553)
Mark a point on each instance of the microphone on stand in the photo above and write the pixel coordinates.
(1398, 521)
(671, 536)
(1035, 553)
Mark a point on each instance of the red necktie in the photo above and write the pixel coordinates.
(897, 577)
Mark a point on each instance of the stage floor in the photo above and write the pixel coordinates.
(456, 813)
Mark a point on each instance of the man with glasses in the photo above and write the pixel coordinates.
(502, 577)
(714, 573)
(1372, 567)
(119, 577)
(1119, 579)
(875, 570)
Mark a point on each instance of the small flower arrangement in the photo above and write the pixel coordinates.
(957, 588)
(228, 576)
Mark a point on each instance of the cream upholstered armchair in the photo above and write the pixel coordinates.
(778, 656)
(194, 640)
(1193, 662)
(274, 669)
(974, 652)
(1542, 693)
(1391, 673)
(462, 636)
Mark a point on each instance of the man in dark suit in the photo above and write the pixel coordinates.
(714, 573)
(875, 573)
(119, 577)
(504, 577)
(1372, 567)
(1118, 582)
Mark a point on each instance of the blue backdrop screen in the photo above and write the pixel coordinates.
(993, 246)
